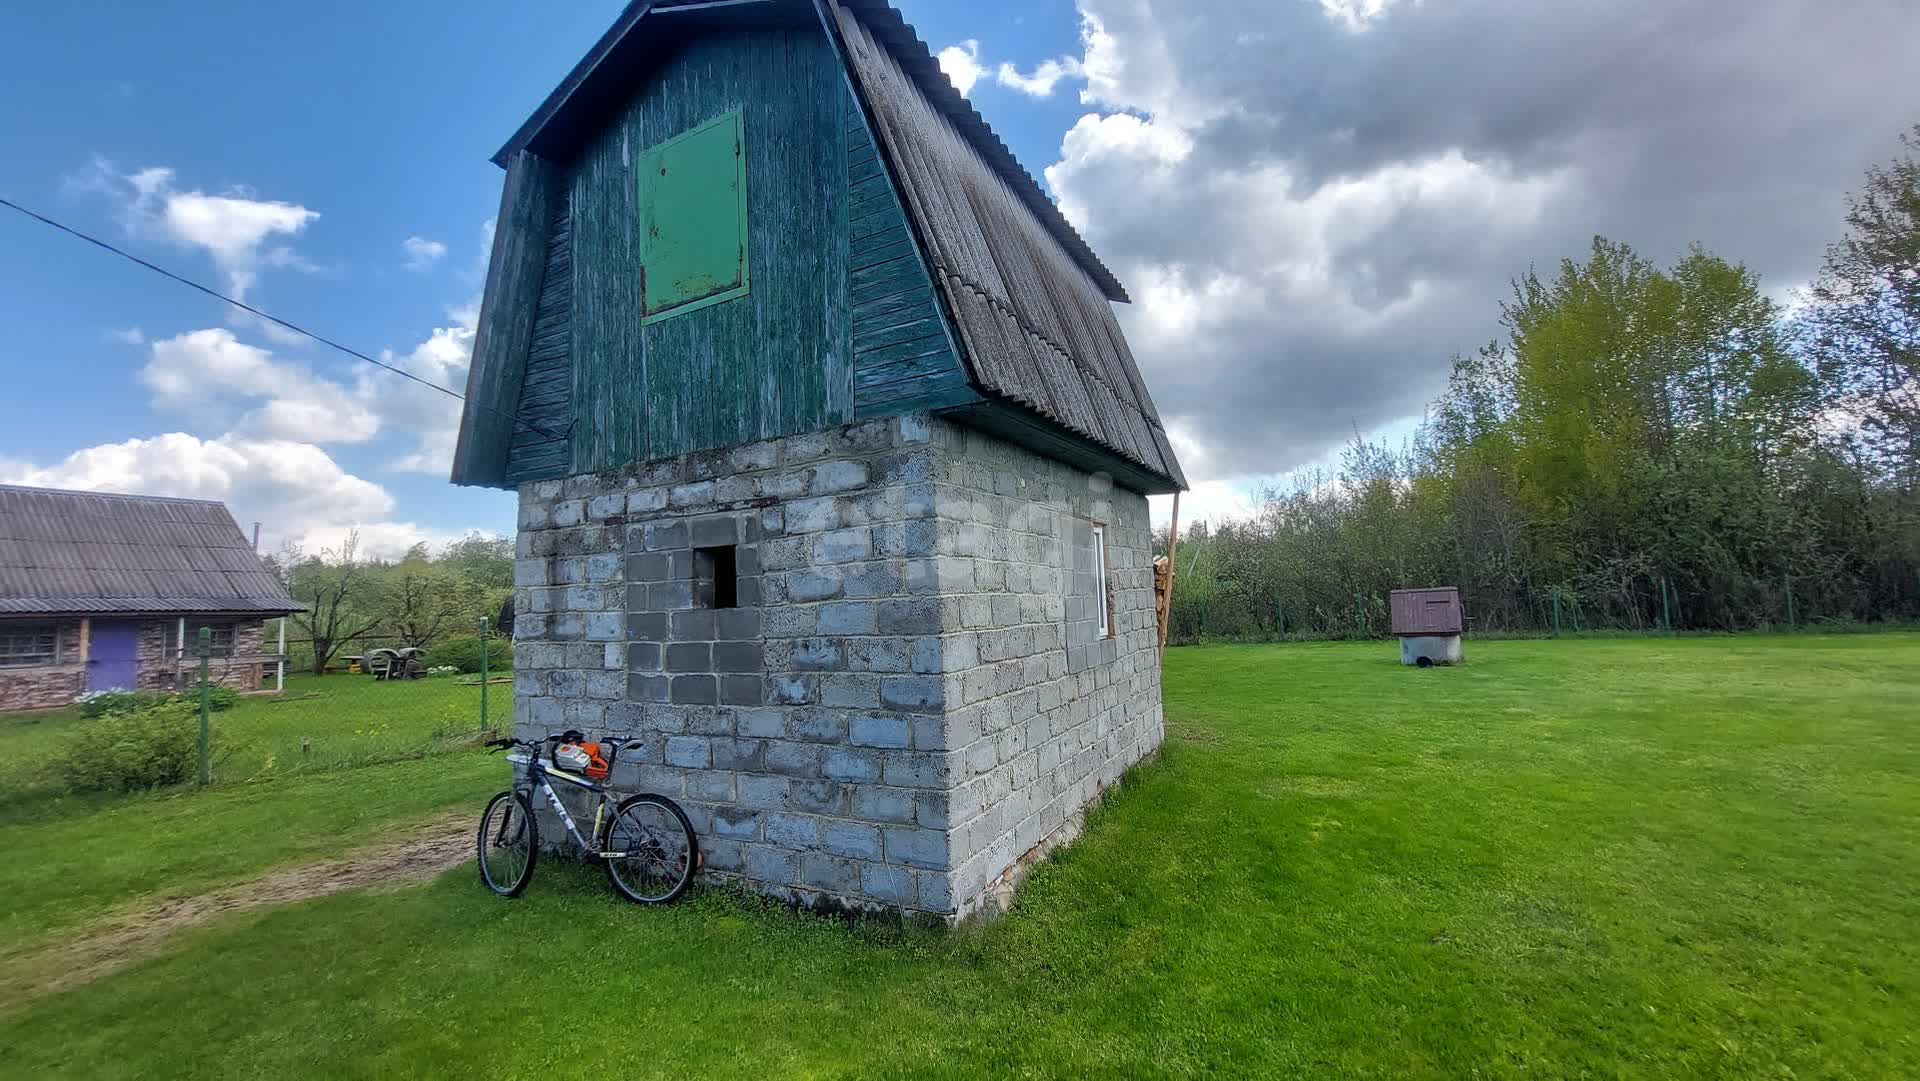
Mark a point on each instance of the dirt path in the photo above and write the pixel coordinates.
(88, 953)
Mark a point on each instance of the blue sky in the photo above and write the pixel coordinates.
(1314, 203)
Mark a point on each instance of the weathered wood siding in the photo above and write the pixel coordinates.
(539, 449)
(774, 361)
(841, 320)
(503, 335)
(903, 358)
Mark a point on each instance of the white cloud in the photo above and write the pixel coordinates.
(422, 253)
(1355, 15)
(377, 540)
(1210, 501)
(213, 375)
(961, 63)
(128, 336)
(1041, 81)
(430, 417)
(292, 488)
(241, 233)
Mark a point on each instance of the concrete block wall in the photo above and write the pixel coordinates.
(1052, 712)
(841, 737)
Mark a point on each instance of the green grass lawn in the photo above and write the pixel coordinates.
(1651, 858)
(319, 724)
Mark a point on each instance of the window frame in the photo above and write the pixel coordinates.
(1102, 581)
(30, 658)
(170, 647)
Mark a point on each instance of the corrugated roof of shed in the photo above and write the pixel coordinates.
(77, 552)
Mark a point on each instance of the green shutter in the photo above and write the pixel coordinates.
(693, 220)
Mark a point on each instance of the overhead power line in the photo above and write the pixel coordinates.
(268, 316)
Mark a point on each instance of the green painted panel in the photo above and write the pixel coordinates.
(693, 220)
(775, 361)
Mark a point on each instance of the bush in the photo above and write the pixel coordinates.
(142, 748)
(107, 703)
(219, 698)
(103, 703)
(464, 654)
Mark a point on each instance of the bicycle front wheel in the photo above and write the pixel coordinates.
(651, 852)
(509, 843)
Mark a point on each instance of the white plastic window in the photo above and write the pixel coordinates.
(1102, 599)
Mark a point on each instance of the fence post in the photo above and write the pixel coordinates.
(485, 648)
(204, 647)
(1787, 580)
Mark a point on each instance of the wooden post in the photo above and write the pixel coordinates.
(280, 667)
(86, 639)
(1173, 544)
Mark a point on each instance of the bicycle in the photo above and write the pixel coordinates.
(647, 845)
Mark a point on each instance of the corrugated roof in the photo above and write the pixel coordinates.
(1030, 302)
(81, 552)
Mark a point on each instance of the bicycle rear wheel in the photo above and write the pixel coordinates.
(655, 853)
(508, 844)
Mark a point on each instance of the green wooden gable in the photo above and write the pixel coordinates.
(724, 226)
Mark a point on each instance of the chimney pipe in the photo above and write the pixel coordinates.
(256, 538)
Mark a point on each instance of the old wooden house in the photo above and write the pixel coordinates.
(832, 459)
(103, 592)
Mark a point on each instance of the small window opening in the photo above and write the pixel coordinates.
(1103, 597)
(716, 577)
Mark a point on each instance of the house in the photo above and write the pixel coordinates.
(832, 459)
(104, 592)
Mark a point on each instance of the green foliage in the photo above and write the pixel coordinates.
(110, 702)
(138, 748)
(464, 653)
(219, 698)
(1862, 319)
(1639, 431)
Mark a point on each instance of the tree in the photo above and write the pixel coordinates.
(1863, 316)
(332, 586)
(482, 560)
(418, 602)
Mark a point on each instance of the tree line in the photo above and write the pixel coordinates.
(1644, 446)
(421, 600)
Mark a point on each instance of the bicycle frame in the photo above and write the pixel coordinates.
(539, 773)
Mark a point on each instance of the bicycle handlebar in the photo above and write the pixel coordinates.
(613, 745)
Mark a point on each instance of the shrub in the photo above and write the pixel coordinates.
(464, 654)
(141, 748)
(106, 703)
(103, 703)
(220, 698)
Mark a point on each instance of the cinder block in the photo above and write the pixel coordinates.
(694, 690)
(878, 731)
(792, 831)
(690, 752)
